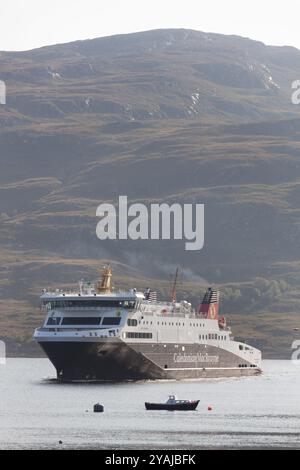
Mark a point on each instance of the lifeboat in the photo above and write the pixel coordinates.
(222, 323)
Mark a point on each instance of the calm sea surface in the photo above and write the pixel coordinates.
(36, 412)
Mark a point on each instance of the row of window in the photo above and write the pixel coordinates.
(89, 303)
(133, 322)
(213, 336)
(138, 335)
(247, 365)
(83, 321)
(165, 323)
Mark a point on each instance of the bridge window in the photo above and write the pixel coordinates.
(111, 321)
(132, 322)
(81, 321)
(53, 321)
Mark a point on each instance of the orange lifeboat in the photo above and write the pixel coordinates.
(222, 323)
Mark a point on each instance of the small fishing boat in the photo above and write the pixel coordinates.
(173, 404)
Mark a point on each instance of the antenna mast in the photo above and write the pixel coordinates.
(174, 288)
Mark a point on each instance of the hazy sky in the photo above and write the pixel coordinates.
(26, 24)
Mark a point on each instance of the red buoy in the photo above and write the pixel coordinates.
(209, 408)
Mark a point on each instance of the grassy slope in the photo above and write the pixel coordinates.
(176, 116)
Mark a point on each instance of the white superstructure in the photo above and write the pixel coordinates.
(186, 336)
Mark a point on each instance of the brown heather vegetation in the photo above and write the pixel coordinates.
(174, 116)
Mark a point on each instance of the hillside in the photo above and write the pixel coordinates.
(167, 115)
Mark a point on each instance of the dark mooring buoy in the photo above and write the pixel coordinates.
(98, 408)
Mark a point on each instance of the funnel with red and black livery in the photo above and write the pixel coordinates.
(210, 304)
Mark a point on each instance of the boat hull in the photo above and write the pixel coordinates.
(191, 406)
(115, 360)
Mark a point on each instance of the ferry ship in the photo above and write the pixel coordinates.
(99, 334)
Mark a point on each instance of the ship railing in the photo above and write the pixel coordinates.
(84, 332)
(157, 303)
(83, 308)
(88, 291)
(60, 292)
(167, 315)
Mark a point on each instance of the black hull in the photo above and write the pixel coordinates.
(114, 360)
(175, 407)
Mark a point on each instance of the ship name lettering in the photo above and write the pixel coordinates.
(204, 358)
